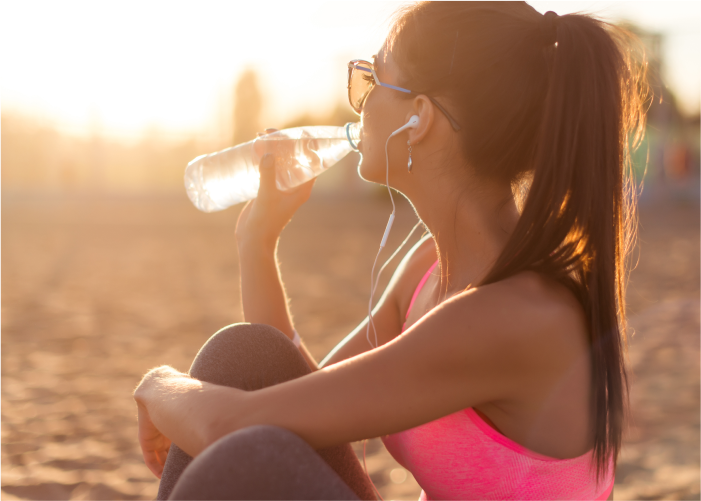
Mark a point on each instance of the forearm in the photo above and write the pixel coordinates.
(187, 410)
(262, 293)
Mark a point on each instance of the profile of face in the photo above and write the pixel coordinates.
(384, 111)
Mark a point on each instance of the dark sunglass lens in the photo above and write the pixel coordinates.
(359, 85)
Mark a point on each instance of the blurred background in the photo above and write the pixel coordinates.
(108, 269)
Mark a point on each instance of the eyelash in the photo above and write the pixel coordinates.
(368, 78)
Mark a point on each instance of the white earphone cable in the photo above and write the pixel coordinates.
(373, 284)
(372, 273)
(377, 279)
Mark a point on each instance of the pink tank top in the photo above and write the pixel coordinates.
(460, 456)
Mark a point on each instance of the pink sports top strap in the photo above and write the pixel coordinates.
(418, 288)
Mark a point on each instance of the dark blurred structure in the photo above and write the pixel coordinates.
(248, 103)
(667, 161)
(39, 158)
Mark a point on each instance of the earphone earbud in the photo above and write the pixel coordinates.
(411, 124)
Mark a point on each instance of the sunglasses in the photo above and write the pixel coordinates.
(362, 78)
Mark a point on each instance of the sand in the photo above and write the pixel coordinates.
(96, 292)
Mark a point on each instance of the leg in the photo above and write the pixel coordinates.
(260, 462)
(249, 357)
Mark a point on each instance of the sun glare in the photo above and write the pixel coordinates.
(124, 68)
(129, 66)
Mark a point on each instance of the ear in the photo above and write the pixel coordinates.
(423, 107)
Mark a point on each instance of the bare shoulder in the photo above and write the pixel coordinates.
(533, 311)
(541, 304)
(552, 306)
(538, 293)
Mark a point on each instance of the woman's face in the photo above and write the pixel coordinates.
(385, 110)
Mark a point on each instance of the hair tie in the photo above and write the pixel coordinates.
(548, 27)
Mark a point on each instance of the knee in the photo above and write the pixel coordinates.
(243, 355)
(242, 336)
(240, 465)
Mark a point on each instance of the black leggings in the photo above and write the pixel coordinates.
(263, 461)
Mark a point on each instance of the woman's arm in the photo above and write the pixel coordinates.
(264, 299)
(262, 293)
(257, 234)
(161, 382)
(463, 353)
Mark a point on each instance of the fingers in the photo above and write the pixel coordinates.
(305, 190)
(153, 463)
(304, 187)
(267, 174)
(161, 457)
(267, 167)
(156, 460)
(243, 215)
(267, 131)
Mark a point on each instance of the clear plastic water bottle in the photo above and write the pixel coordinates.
(228, 177)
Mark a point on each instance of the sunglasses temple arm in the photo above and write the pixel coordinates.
(453, 123)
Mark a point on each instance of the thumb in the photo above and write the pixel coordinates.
(267, 173)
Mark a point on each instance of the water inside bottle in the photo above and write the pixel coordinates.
(299, 160)
(231, 176)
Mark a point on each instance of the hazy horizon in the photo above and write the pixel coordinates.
(131, 70)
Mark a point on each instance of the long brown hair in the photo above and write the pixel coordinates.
(557, 101)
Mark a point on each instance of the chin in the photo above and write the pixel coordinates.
(368, 173)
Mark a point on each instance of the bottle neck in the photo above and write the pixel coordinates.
(353, 134)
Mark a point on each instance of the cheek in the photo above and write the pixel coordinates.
(372, 161)
(377, 120)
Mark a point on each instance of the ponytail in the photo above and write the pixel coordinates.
(576, 218)
(556, 100)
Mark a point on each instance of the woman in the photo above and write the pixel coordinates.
(499, 371)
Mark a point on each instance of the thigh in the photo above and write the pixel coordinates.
(260, 462)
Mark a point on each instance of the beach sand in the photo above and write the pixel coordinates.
(96, 292)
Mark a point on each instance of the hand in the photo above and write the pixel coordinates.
(264, 217)
(154, 445)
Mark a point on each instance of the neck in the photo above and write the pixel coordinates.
(470, 229)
